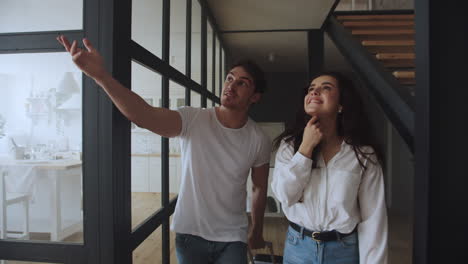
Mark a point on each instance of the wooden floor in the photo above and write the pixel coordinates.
(143, 205)
(149, 252)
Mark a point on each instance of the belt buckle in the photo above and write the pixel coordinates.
(314, 236)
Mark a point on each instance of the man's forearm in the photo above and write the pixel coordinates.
(258, 208)
(129, 103)
(161, 121)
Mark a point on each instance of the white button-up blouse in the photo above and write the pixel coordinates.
(335, 196)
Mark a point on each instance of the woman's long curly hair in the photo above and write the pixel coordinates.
(352, 124)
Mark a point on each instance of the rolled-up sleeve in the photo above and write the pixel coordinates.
(373, 228)
(264, 152)
(188, 115)
(291, 174)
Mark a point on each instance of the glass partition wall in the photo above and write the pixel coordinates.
(185, 77)
(92, 186)
(43, 150)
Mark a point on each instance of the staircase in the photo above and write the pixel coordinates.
(390, 38)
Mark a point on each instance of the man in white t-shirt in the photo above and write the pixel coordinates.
(219, 147)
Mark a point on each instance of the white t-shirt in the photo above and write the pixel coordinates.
(215, 165)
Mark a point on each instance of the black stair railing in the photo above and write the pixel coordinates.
(395, 99)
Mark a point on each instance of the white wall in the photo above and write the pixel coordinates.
(43, 15)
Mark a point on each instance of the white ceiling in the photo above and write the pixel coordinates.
(290, 48)
(269, 14)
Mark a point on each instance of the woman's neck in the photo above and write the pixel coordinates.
(331, 141)
(330, 133)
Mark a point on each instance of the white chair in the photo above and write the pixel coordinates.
(7, 199)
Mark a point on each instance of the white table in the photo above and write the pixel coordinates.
(57, 191)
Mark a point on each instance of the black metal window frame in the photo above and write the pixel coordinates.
(139, 54)
(60, 252)
(108, 237)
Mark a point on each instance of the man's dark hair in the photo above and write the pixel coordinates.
(255, 71)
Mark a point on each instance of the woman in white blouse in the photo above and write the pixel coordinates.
(329, 181)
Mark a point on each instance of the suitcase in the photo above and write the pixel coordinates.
(263, 258)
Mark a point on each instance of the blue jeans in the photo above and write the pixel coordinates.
(196, 250)
(301, 249)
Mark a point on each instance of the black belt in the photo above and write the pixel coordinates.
(324, 236)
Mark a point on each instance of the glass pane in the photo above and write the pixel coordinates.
(45, 15)
(196, 42)
(23, 262)
(224, 64)
(147, 24)
(223, 70)
(209, 59)
(351, 5)
(146, 150)
(177, 95)
(40, 146)
(177, 38)
(149, 251)
(223, 67)
(195, 99)
(217, 69)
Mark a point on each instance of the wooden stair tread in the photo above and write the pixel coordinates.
(388, 42)
(375, 17)
(382, 32)
(404, 74)
(390, 38)
(377, 23)
(395, 56)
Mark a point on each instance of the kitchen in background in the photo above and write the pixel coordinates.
(40, 146)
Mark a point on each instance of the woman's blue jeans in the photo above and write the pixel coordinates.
(301, 249)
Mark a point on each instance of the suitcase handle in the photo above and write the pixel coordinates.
(268, 245)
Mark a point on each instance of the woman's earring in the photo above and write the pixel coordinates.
(340, 110)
